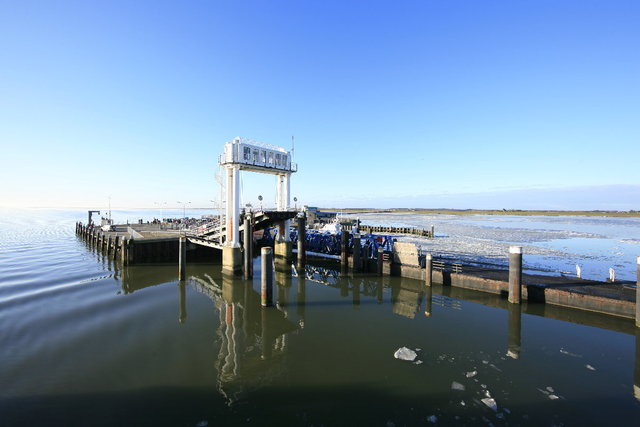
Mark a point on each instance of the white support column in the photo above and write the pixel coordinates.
(279, 192)
(233, 207)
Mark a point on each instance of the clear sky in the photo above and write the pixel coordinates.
(466, 104)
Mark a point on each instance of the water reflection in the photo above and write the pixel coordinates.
(254, 341)
(515, 331)
(636, 382)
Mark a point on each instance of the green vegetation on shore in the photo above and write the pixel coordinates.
(491, 212)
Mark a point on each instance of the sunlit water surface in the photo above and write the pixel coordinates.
(84, 342)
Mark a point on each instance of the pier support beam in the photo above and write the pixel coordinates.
(380, 260)
(248, 246)
(515, 274)
(182, 259)
(266, 280)
(428, 273)
(302, 240)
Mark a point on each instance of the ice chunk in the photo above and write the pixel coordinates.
(490, 403)
(457, 386)
(471, 374)
(404, 353)
(553, 397)
(432, 419)
(589, 367)
(550, 389)
(203, 423)
(568, 353)
(418, 362)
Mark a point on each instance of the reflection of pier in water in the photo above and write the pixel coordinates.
(253, 340)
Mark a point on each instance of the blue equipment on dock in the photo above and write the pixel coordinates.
(330, 244)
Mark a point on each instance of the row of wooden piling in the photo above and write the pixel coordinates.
(113, 246)
(369, 229)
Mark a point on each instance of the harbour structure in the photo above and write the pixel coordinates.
(356, 249)
(251, 156)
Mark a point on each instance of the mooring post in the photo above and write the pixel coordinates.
(356, 252)
(109, 245)
(428, 270)
(126, 251)
(638, 293)
(248, 246)
(302, 240)
(344, 247)
(515, 274)
(182, 258)
(266, 288)
(432, 231)
(380, 260)
(116, 245)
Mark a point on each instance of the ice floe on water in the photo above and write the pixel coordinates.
(568, 353)
(457, 386)
(589, 367)
(432, 419)
(404, 353)
(490, 403)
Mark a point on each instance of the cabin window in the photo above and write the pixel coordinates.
(255, 156)
(278, 159)
(284, 160)
(263, 156)
(247, 154)
(270, 158)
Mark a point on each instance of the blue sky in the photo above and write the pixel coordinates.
(466, 104)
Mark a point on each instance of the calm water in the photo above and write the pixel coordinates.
(84, 342)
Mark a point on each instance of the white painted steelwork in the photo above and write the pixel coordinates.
(242, 154)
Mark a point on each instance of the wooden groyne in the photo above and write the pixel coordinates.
(421, 232)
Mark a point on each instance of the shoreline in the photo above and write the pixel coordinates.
(594, 213)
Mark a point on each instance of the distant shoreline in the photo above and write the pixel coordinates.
(630, 214)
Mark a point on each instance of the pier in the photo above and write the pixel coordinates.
(234, 236)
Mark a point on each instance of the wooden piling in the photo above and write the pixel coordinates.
(428, 274)
(302, 240)
(380, 260)
(515, 274)
(124, 251)
(116, 246)
(638, 293)
(344, 247)
(266, 282)
(357, 261)
(182, 258)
